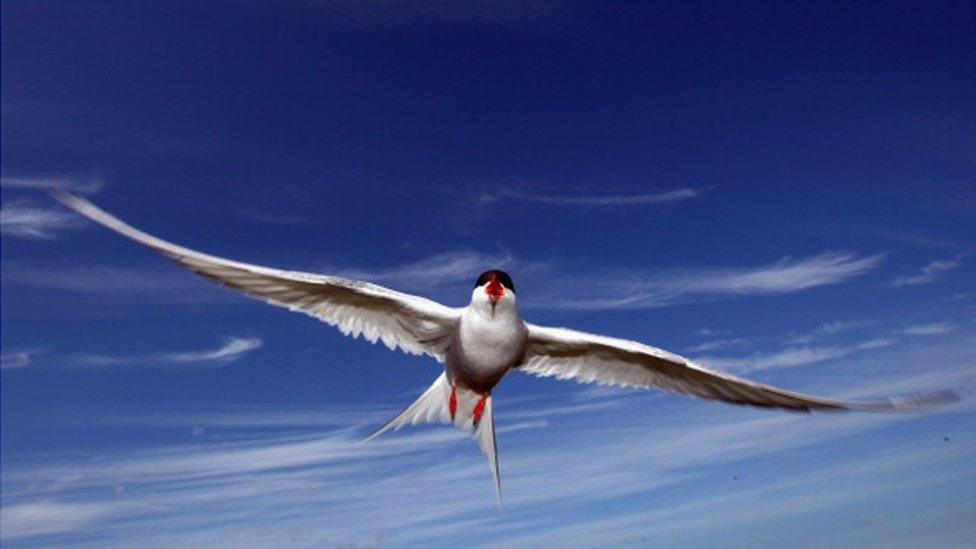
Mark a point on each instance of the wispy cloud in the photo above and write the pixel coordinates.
(630, 290)
(935, 328)
(163, 282)
(877, 343)
(24, 220)
(15, 359)
(313, 486)
(788, 275)
(45, 517)
(845, 483)
(434, 272)
(787, 358)
(911, 239)
(829, 329)
(717, 344)
(77, 184)
(275, 218)
(282, 417)
(232, 350)
(791, 357)
(930, 273)
(555, 197)
(798, 350)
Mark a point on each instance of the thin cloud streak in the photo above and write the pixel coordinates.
(932, 272)
(792, 357)
(106, 281)
(717, 344)
(916, 240)
(23, 220)
(787, 358)
(306, 418)
(43, 518)
(830, 329)
(555, 198)
(232, 350)
(877, 343)
(432, 273)
(14, 360)
(85, 185)
(632, 291)
(935, 328)
(788, 275)
(275, 218)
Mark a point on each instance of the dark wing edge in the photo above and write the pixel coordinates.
(590, 358)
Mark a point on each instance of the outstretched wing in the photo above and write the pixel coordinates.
(589, 358)
(414, 324)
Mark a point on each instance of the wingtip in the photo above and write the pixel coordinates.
(376, 434)
(917, 402)
(71, 201)
(62, 196)
(930, 400)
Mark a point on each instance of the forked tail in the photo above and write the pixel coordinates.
(435, 406)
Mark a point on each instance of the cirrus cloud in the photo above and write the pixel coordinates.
(231, 350)
(634, 290)
(930, 273)
(24, 220)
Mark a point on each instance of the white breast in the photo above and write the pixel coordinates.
(488, 345)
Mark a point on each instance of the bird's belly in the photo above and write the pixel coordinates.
(481, 355)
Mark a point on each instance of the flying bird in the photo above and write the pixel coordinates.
(480, 343)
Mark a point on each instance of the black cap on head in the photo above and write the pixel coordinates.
(502, 277)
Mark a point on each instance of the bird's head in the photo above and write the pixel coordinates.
(493, 289)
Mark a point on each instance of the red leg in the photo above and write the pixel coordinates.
(452, 402)
(479, 408)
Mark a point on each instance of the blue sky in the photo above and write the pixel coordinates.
(786, 193)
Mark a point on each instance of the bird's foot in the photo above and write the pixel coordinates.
(479, 408)
(452, 402)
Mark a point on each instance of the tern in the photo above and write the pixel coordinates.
(480, 343)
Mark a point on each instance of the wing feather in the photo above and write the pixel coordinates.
(590, 358)
(359, 309)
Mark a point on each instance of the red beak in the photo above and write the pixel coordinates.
(494, 289)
